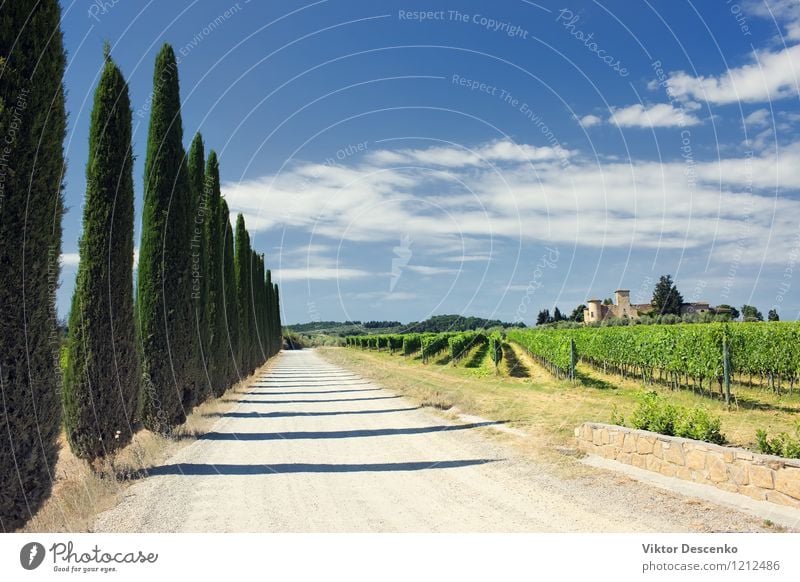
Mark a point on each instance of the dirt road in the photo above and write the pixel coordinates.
(314, 448)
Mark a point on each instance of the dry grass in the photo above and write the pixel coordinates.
(81, 492)
(550, 409)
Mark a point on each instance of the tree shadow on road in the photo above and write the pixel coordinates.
(203, 469)
(297, 414)
(340, 434)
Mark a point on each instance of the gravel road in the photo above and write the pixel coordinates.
(314, 448)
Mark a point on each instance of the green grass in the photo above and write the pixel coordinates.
(528, 397)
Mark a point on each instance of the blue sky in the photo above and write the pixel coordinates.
(481, 158)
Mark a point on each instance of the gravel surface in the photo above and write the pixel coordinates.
(314, 448)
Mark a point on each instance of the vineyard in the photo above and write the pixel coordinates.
(752, 365)
(431, 345)
(678, 355)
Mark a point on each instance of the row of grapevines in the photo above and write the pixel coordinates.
(551, 348)
(496, 347)
(433, 344)
(461, 343)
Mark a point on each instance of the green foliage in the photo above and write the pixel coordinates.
(770, 349)
(412, 343)
(460, 344)
(163, 299)
(33, 126)
(101, 388)
(200, 214)
(750, 313)
(432, 344)
(666, 297)
(496, 347)
(549, 346)
(217, 353)
(231, 304)
(657, 414)
(244, 298)
(782, 445)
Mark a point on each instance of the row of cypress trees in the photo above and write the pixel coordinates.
(193, 329)
(201, 314)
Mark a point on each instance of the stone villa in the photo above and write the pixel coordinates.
(622, 307)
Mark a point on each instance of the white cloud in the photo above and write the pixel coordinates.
(786, 11)
(590, 120)
(770, 76)
(428, 270)
(659, 115)
(758, 118)
(499, 151)
(70, 259)
(318, 274)
(734, 203)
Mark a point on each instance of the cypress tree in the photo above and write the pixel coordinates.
(217, 360)
(278, 326)
(243, 262)
(32, 126)
(231, 303)
(199, 269)
(260, 301)
(164, 278)
(101, 388)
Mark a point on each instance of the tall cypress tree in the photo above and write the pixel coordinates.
(278, 326)
(199, 266)
(164, 277)
(33, 126)
(101, 388)
(218, 353)
(243, 262)
(230, 298)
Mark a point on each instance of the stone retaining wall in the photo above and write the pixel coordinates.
(761, 477)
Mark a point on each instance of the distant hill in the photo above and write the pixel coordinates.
(437, 323)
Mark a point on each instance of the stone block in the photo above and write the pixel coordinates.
(668, 470)
(617, 438)
(761, 476)
(625, 458)
(717, 470)
(728, 456)
(744, 456)
(696, 460)
(597, 438)
(674, 454)
(684, 473)
(639, 461)
(729, 487)
(658, 449)
(652, 463)
(787, 481)
(644, 446)
(629, 443)
(738, 474)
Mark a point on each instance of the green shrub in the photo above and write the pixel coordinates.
(699, 424)
(656, 414)
(782, 445)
